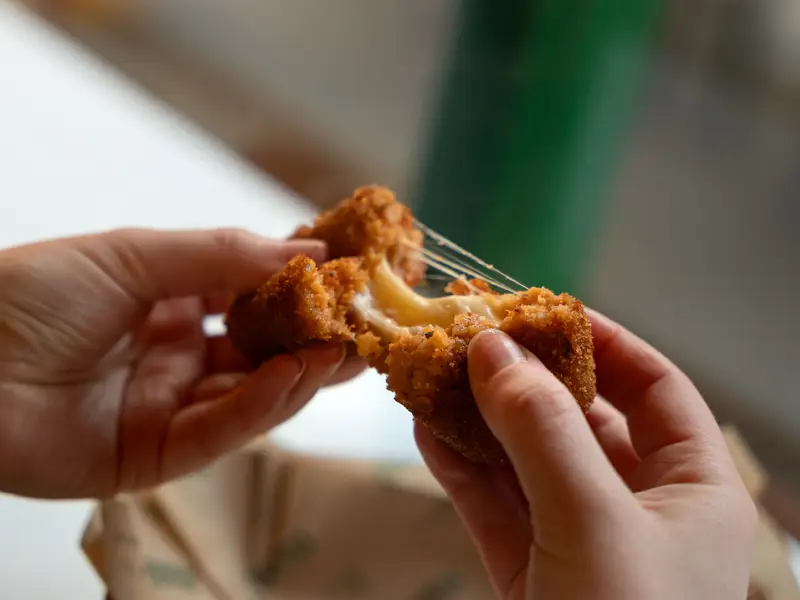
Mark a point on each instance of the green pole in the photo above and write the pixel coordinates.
(533, 114)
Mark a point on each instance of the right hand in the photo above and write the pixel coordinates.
(639, 501)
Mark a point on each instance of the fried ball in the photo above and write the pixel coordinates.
(365, 295)
(371, 224)
(302, 304)
(427, 370)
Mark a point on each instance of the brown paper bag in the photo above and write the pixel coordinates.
(268, 523)
(135, 559)
(326, 529)
(771, 576)
(349, 529)
(781, 499)
(207, 514)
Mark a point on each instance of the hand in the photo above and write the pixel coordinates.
(107, 380)
(640, 500)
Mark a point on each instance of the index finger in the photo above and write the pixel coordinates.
(662, 406)
(153, 264)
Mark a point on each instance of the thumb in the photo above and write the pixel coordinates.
(154, 264)
(559, 463)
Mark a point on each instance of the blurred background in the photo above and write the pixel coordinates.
(642, 154)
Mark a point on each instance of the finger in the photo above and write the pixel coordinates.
(155, 264)
(202, 432)
(662, 407)
(221, 383)
(611, 431)
(217, 303)
(214, 386)
(177, 316)
(351, 368)
(226, 373)
(322, 362)
(559, 463)
(491, 506)
(223, 357)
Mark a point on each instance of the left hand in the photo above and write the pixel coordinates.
(107, 380)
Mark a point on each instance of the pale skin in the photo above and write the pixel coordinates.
(108, 384)
(107, 381)
(639, 500)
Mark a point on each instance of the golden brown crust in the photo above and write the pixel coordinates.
(373, 348)
(556, 329)
(427, 371)
(300, 305)
(371, 224)
(426, 366)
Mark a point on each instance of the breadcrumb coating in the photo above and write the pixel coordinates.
(371, 224)
(427, 370)
(419, 344)
(302, 304)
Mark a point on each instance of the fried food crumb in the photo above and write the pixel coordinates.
(371, 224)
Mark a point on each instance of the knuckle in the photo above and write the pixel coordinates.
(127, 263)
(119, 255)
(234, 239)
(15, 271)
(524, 393)
(613, 340)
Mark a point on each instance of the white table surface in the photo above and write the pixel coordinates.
(81, 150)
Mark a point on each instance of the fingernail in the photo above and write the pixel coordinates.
(288, 396)
(301, 368)
(324, 351)
(490, 352)
(290, 367)
(338, 365)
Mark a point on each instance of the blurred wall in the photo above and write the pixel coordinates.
(702, 242)
(362, 75)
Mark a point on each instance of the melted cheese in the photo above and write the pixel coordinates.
(390, 306)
